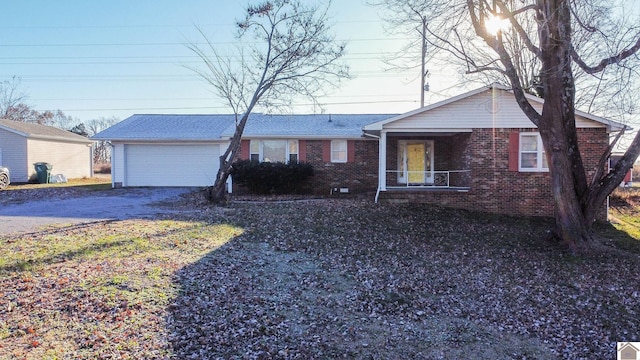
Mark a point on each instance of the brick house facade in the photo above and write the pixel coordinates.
(477, 151)
(494, 183)
(491, 184)
(474, 151)
(358, 174)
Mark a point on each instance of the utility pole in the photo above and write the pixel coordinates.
(423, 71)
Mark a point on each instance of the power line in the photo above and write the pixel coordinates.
(225, 107)
(179, 43)
(198, 98)
(156, 77)
(143, 26)
(383, 53)
(182, 62)
(155, 56)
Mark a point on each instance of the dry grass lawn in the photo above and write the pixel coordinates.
(317, 279)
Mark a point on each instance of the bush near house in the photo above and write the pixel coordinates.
(102, 168)
(272, 178)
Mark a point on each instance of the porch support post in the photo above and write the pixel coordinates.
(382, 161)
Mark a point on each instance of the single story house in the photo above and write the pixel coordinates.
(476, 151)
(184, 150)
(23, 144)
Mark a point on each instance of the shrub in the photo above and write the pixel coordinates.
(102, 168)
(272, 178)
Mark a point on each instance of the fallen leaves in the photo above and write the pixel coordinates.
(363, 281)
(313, 279)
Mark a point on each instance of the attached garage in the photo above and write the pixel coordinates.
(167, 150)
(171, 165)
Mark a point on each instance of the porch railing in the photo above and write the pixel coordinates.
(429, 179)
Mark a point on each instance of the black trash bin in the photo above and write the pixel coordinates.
(43, 170)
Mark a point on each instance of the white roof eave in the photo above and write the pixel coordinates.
(379, 126)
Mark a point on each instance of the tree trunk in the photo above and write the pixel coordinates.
(577, 202)
(557, 127)
(571, 225)
(217, 193)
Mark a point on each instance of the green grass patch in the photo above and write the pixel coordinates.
(110, 241)
(627, 222)
(99, 289)
(624, 215)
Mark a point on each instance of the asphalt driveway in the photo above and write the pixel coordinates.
(118, 204)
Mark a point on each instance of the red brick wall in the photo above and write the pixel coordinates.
(359, 173)
(496, 189)
(493, 187)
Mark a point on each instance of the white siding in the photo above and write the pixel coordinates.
(73, 160)
(117, 164)
(170, 164)
(14, 155)
(483, 110)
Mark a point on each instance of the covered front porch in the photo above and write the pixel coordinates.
(428, 150)
(424, 161)
(435, 160)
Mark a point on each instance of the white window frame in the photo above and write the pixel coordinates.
(335, 151)
(540, 154)
(288, 152)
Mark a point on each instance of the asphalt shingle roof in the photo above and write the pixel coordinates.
(168, 127)
(157, 127)
(347, 125)
(32, 130)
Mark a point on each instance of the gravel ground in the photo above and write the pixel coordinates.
(31, 209)
(53, 193)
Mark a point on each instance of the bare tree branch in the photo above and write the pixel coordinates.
(295, 56)
(615, 59)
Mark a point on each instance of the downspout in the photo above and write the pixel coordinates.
(378, 189)
(92, 151)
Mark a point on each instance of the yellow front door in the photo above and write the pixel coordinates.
(415, 163)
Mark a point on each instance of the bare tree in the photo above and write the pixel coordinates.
(13, 106)
(101, 150)
(417, 18)
(61, 121)
(10, 96)
(291, 54)
(587, 37)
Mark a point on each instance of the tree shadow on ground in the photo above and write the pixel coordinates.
(333, 280)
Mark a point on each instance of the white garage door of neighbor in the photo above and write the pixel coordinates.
(171, 165)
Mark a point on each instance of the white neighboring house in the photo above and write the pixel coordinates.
(23, 144)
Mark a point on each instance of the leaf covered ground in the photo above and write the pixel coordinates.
(317, 279)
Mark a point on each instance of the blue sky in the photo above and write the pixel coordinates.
(115, 58)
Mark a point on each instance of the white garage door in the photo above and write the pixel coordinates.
(171, 165)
